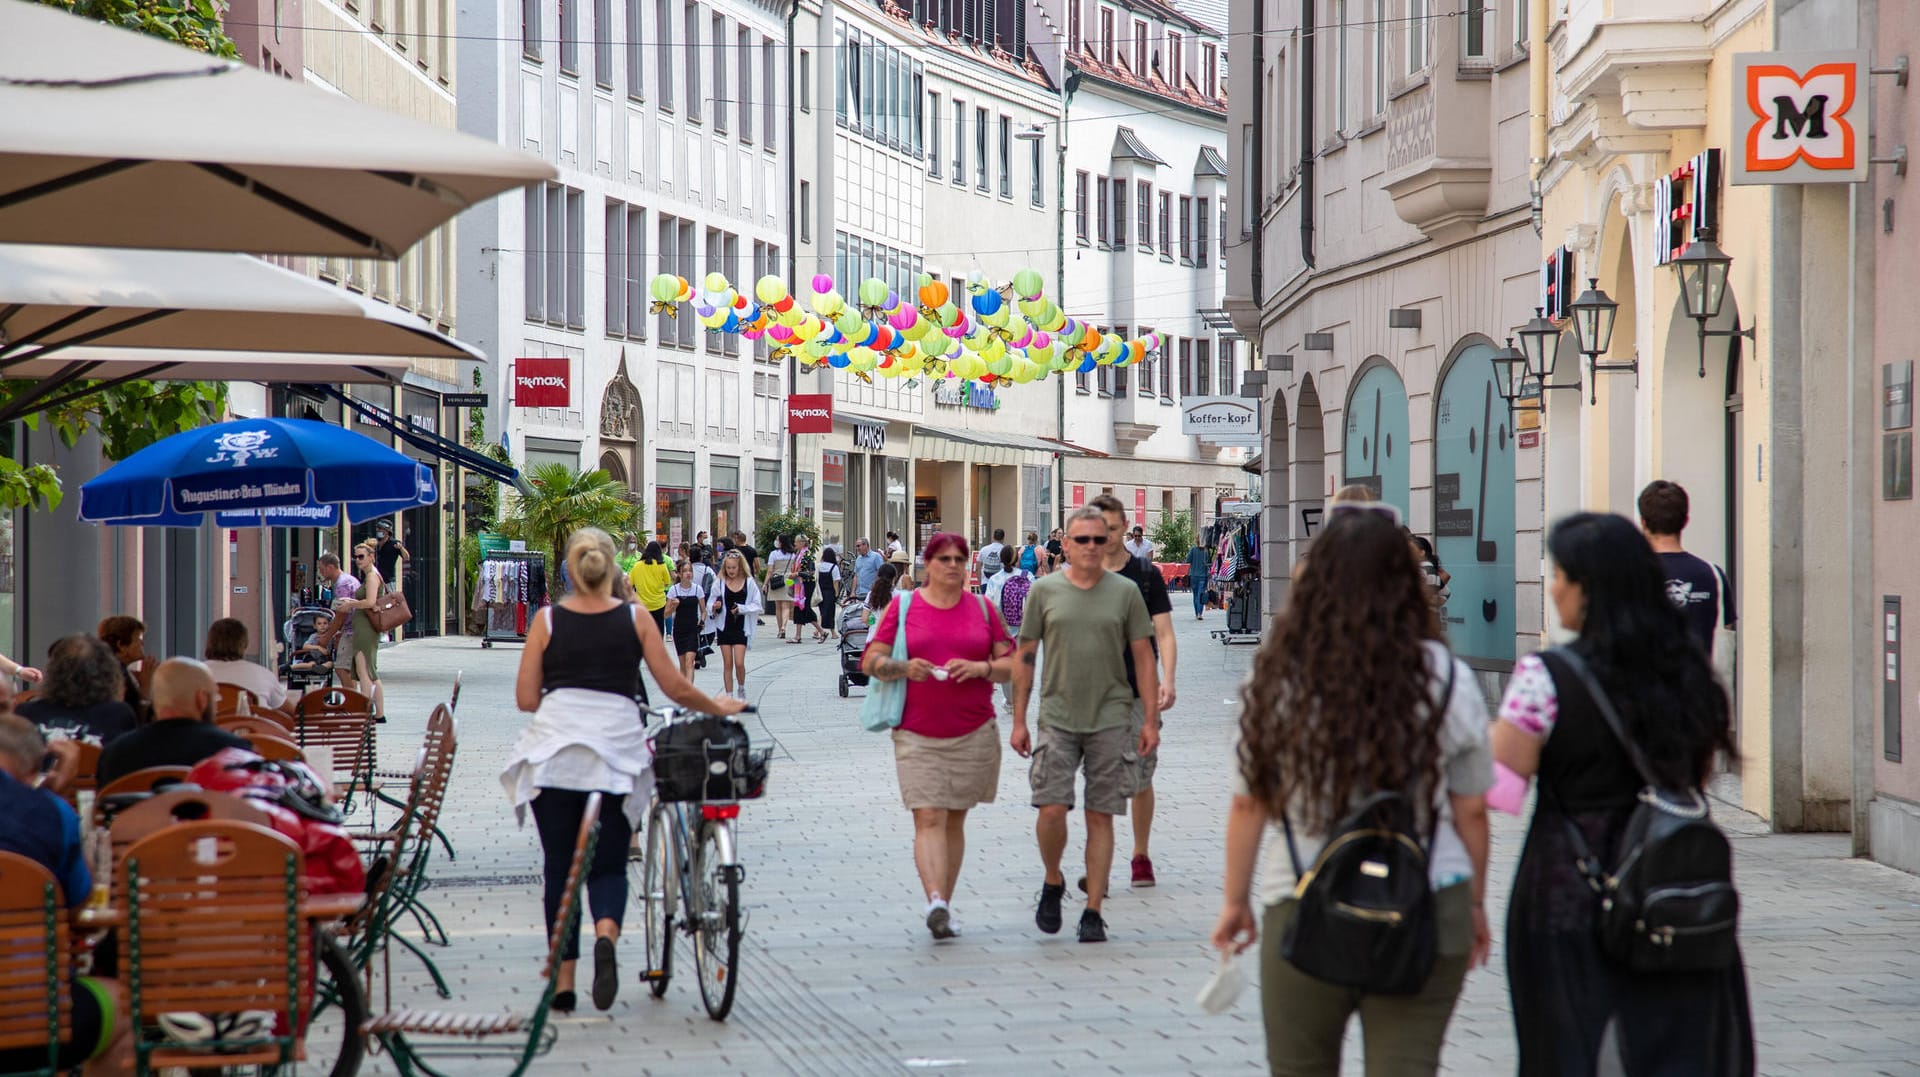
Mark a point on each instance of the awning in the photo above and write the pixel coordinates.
(1127, 146)
(426, 441)
(1210, 163)
(985, 447)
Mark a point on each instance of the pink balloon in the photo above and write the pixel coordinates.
(1040, 339)
(903, 318)
(822, 284)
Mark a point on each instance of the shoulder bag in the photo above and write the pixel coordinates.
(1668, 904)
(887, 700)
(390, 611)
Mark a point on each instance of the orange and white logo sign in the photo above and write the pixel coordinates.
(1805, 117)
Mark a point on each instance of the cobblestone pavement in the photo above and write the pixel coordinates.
(839, 976)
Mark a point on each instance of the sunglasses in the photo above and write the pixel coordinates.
(952, 560)
(1375, 508)
(1097, 540)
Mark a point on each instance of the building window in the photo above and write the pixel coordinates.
(1186, 230)
(719, 40)
(1165, 370)
(1143, 210)
(692, 55)
(1083, 382)
(1119, 213)
(1210, 71)
(1380, 30)
(576, 260)
(1175, 68)
(1473, 30)
(669, 234)
(1166, 225)
(806, 212)
(533, 258)
(845, 63)
(770, 97)
(1073, 26)
(636, 87)
(1106, 36)
(959, 143)
(1227, 387)
(616, 272)
(806, 82)
(1139, 48)
(1187, 386)
(743, 41)
(1203, 364)
(530, 29)
(1520, 27)
(1102, 218)
(1340, 74)
(1006, 157)
(570, 36)
(980, 148)
(933, 145)
(602, 43)
(1202, 224)
(1038, 194)
(1080, 180)
(1416, 36)
(919, 97)
(556, 254)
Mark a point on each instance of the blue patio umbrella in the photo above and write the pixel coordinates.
(258, 472)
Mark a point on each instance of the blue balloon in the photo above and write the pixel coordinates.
(838, 360)
(986, 302)
(1087, 365)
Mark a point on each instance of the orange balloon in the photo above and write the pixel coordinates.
(1139, 351)
(933, 295)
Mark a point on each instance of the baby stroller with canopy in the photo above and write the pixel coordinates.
(853, 645)
(303, 669)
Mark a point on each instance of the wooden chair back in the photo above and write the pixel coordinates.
(35, 959)
(213, 926)
(83, 777)
(147, 780)
(255, 726)
(283, 717)
(340, 719)
(453, 701)
(174, 807)
(277, 749)
(230, 697)
(27, 696)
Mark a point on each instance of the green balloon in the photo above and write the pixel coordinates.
(851, 325)
(665, 287)
(1028, 284)
(873, 292)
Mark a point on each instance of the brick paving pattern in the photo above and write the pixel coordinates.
(840, 977)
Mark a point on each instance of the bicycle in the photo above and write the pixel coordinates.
(690, 859)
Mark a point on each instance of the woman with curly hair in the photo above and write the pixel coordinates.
(81, 697)
(1354, 694)
(1576, 1011)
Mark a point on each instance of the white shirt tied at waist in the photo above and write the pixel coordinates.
(584, 740)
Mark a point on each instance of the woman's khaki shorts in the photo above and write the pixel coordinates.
(953, 773)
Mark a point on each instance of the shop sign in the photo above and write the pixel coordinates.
(542, 383)
(1079, 497)
(1800, 123)
(810, 413)
(1224, 420)
(870, 438)
(1140, 507)
(1686, 202)
(958, 394)
(1557, 282)
(463, 400)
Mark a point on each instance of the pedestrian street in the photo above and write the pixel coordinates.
(839, 976)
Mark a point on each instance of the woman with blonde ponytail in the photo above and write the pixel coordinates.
(580, 677)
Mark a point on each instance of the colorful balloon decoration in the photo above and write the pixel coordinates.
(995, 335)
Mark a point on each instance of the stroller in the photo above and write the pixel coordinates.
(853, 645)
(303, 671)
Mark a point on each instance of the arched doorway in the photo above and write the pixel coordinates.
(1473, 503)
(1276, 504)
(622, 429)
(1619, 392)
(1377, 451)
(1309, 469)
(1700, 429)
(615, 467)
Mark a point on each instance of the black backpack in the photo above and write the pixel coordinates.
(1365, 916)
(1668, 904)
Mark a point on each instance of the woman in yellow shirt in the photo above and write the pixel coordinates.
(650, 578)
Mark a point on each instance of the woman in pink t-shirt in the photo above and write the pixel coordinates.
(947, 749)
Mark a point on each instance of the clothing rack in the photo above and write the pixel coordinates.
(1236, 575)
(507, 620)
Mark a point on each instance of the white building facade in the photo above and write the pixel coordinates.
(669, 124)
(1145, 174)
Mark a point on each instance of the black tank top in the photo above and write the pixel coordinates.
(596, 651)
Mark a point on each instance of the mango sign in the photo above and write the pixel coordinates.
(1801, 117)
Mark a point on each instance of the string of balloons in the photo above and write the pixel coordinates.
(1010, 333)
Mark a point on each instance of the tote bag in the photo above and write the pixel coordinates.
(886, 700)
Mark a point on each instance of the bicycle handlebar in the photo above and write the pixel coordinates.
(674, 713)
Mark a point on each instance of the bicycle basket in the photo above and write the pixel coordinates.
(707, 759)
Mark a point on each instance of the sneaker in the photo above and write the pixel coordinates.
(940, 920)
(1047, 916)
(1142, 872)
(1093, 928)
(606, 974)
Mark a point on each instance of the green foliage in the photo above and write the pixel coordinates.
(1172, 536)
(193, 23)
(563, 501)
(25, 487)
(483, 499)
(787, 522)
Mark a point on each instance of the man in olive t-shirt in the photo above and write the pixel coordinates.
(1087, 618)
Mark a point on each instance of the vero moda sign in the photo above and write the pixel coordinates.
(542, 382)
(810, 413)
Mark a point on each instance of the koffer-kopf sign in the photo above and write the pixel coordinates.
(1800, 117)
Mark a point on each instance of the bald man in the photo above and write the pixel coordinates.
(182, 732)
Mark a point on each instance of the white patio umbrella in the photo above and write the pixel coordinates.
(68, 313)
(112, 138)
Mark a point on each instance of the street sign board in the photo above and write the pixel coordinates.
(463, 400)
(1800, 117)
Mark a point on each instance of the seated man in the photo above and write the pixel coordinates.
(182, 732)
(227, 660)
(38, 825)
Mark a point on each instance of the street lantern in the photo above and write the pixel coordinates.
(1510, 373)
(1540, 344)
(1703, 277)
(1593, 317)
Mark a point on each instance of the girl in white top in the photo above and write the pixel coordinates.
(1349, 697)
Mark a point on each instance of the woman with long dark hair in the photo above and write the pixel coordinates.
(1354, 694)
(1576, 1010)
(827, 578)
(650, 578)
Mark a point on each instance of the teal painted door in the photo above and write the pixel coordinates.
(1473, 521)
(1377, 453)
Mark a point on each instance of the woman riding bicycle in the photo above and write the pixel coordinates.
(580, 676)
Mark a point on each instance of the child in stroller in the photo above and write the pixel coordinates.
(311, 634)
(853, 646)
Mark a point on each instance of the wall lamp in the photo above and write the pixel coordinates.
(1703, 289)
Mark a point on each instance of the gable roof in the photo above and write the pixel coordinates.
(1210, 163)
(1127, 145)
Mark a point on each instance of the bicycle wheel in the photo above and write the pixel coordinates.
(716, 938)
(650, 874)
(333, 1041)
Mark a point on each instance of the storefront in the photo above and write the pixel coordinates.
(766, 489)
(723, 495)
(977, 482)
(673, 498)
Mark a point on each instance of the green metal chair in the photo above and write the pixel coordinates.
(35, 961)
